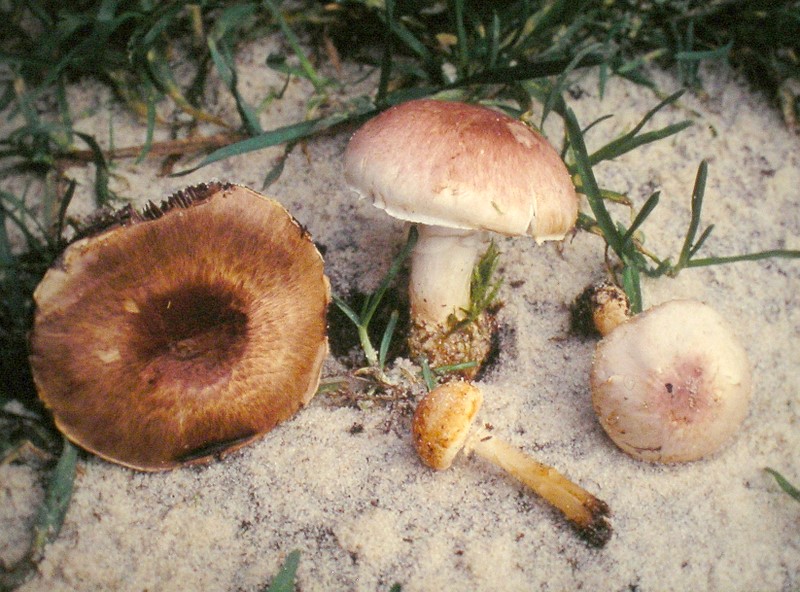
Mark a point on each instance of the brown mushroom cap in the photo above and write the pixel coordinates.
(183, 332)
(462, 166)
(442, 421)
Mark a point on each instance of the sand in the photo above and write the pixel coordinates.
(341, 482)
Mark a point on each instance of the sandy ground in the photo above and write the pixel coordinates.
(342, 483)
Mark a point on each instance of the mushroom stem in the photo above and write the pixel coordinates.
(441, 271)
(442, 427)
(587, 514)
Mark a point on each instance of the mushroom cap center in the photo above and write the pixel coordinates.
(193, 335)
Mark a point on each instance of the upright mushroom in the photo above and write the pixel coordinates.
(182, 332)
(670, 384)
(442, 427)
(457, 170)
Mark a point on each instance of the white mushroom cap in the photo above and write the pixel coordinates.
(462, 166)
(672, 384)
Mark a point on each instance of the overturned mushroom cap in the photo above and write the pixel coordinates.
(464, 166)
(183, 332)
(672, 384)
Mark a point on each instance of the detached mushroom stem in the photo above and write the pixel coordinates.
(587, 514)
(441, 428)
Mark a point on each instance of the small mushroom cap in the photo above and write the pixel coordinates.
(462, 166)
(442, 421)
(672, 384)
(183, 332)
(610, 307)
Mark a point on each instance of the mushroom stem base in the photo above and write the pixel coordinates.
(441, 346)
(587, 514)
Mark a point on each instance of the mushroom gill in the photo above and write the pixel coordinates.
(184, 331)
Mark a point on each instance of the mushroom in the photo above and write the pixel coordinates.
(671, 384)
(457, 170)
(183, 332)
(441, 428)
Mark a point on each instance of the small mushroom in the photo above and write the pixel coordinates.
(186, 331)
(671, 384)
(457, 170)
(441, 428)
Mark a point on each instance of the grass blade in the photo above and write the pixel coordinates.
(162, 77)
(461, 37)
(589, 185)
(277, 169)
(649, 115)
(559, 86)
(281, 135)
(386, 58)
(33, 242)
(284, 580)
(345, 308)
(370, 306)
(102, 193)
(630, 141)
(394, 269)
(784, 484)
(427, 375)
(62, 212)
(151, 123)
(494, 41)
(697, 207)
(526, 70)
(701, 240)
(760, 255)
(647, 208)
(316, 80)
(387, 338)
(632, 286)
(711, 54)
(59, 492)
(218, 43)
(223, 61)
(415, 45)
(627, 144)
(449, 368)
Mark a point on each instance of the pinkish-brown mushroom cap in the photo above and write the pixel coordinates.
(182, 332)
(462, 166)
